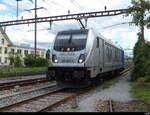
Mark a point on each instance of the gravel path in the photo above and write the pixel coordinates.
(118, 92)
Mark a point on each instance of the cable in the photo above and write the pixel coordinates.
(75, 3)
(117, 24)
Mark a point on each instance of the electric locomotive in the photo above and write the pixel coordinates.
(78, 56)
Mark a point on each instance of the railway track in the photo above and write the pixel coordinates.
(106, 106)
(117, 106)
(47, 101)
(11, 75)
(125, 71)
(110, 106)
(42, 102)
(11, 84)
(46, 90)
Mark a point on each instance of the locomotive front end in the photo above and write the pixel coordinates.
(68, 59)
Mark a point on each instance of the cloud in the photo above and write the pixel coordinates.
(124, 34)
(2, 7)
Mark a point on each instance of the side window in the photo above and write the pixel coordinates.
(97, 46)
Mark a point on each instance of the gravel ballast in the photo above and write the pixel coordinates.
(117, 92)
(89, 102)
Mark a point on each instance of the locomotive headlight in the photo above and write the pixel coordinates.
(81, 58)
(54, 59)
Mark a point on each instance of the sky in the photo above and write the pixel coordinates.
(123, 35)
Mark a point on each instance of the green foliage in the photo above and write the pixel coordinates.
(30, 61)
(141, 59)
(147, 67)
(15, 60)
(141, 18)
(11, 59)
(18, 61)
(140, 89)
(48, 54)
(139, 10)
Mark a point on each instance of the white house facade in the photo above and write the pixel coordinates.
(7, 47)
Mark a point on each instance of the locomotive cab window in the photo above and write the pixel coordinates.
(73, 42)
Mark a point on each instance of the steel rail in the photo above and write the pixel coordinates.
(57, 103)
(110, 105)
(11, 84)
(53, 89)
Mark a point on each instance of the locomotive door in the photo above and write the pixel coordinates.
(100, 52)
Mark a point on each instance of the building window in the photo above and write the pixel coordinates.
(19, 51)
(3, 41)
(5, 50)
(32, 52)
(26, 52)
(37, 53)
(5, 59)
(42, 53)
(0, 50)
(12, 51)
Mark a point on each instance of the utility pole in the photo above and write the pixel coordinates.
(17, 7)
(35, 31)
(35, 26)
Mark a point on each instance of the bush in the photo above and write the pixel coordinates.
(143, 82)
(11, 60)
(30, 61)
(18, 61)
(140, 89)
(141, 59)
(15, 60)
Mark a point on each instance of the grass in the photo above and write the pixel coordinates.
(22, 69)
(140, 90)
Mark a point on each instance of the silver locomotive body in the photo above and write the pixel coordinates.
(79, 55)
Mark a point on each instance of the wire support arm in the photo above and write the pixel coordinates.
(65, 17)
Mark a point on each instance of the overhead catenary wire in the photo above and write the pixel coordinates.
(117, 24)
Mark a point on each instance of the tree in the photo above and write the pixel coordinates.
(11, 59)
(15, 60)
(18, 61)
(30, 61)
(48, 54)
(139, 10)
